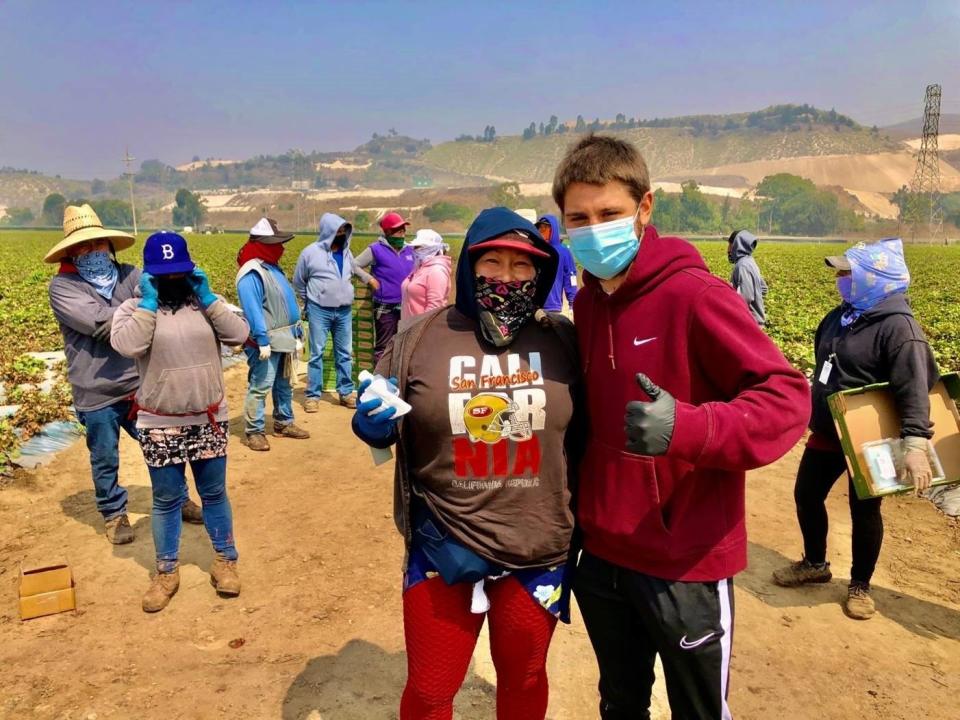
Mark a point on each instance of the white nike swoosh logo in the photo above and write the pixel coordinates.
(637, 342)
(696, 643)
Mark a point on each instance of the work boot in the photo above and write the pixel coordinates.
(224, 577)
(258, 442)
(191, 512)
(290, 430)
(163, 587)
(349, 401)
(311, 405)
(859, 605)
(802, 572)
(118, 530)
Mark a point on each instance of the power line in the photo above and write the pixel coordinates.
(924, 204)
(127, 159)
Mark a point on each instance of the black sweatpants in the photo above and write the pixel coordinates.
(819, 470)
(632, 617)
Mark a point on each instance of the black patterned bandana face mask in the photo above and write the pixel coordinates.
(504, 308)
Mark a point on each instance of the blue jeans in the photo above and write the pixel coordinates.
(265, 377)
(103, 441)
(170, 493)
(322, 320)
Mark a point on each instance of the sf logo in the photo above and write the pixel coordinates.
(167, 252)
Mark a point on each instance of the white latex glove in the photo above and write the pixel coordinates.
(299, 347)
(264, 352)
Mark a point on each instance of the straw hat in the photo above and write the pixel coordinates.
(81, 224)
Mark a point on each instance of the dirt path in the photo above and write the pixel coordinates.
(319, 616)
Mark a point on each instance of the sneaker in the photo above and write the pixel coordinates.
(311, 405)
(163, 587)
(290, 430)
(349, 401)
(258, 442)
(802, 572)
(859, 605)
(224, 577)
(118, 530)
(191, 512)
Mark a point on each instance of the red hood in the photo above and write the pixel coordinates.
(658, 259)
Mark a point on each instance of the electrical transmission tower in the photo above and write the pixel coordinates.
(924, 204)
(127, 159)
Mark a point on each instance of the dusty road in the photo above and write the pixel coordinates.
(317, 632)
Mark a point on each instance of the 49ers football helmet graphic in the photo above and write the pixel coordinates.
(491, 417)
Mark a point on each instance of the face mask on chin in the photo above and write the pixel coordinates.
(504, 307)
(606, 249)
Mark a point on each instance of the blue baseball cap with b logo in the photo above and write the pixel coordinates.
(165, 253)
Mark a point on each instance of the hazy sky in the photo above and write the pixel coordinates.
(79, 81)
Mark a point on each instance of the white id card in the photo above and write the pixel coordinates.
(825, 372)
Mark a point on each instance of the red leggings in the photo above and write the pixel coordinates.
(441, 634)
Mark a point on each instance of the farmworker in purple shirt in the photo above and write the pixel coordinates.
(392, 263)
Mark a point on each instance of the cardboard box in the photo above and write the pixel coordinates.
(46, 590)
(868, 414)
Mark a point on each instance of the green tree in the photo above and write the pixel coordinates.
(17, 216)
(188, 210)
(53, 206)
(444, 211)
(581, 124)
(98, 187)
(530, 132)
(697, 214)
(666, 212)
(113, 213)
(506, 194)
(361, 221)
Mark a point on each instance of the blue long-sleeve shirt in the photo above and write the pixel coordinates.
(250, 291)
(566, 280)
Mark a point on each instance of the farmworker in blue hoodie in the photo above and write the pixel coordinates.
(323, 282)
(746, 278)
(275, 344)
(566, 280)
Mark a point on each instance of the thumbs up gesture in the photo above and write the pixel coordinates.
(649, 425)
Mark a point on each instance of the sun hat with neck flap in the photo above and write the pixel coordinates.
(81, 224)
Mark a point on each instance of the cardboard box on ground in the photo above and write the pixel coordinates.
(46, 589)
(866, 417)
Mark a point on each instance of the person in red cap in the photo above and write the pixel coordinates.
(392, 263)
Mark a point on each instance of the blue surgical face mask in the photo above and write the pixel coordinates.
(605, 249)
(845, 287)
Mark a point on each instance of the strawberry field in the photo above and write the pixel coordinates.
(801, 292)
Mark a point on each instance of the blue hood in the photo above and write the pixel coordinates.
(491, 223)
(554, 228)
(329, 224)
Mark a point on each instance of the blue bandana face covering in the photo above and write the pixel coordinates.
(605, 249)
(98, 269)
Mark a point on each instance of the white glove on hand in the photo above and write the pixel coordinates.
(299, 348)
(264, 352)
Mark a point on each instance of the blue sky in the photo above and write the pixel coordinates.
(175, 79)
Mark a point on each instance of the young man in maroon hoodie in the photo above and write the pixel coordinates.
(684, 394)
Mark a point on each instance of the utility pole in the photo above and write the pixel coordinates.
(127, 159)
(924, 202)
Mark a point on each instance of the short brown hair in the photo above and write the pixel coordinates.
(598, 160)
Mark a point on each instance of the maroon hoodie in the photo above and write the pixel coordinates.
(740, 405)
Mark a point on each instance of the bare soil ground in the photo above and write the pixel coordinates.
(317, 632)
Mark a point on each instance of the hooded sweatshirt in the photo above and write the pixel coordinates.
(739, 406)
(485, 443)
(427, 288)
(746, 278)
(566, 282)
(884, 344)
(319, 277)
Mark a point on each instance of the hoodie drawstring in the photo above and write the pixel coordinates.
(613, 362)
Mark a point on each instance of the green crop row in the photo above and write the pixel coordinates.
(801, 292)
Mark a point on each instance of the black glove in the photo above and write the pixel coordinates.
(102, 333)
(649, 425)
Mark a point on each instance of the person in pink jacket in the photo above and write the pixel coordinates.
(428, 286)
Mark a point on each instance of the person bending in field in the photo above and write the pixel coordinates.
(84, 295)
(871, 337)
(684, 393)
(746, 278)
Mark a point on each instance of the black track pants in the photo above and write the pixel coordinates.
(632, 617)
(819, 470)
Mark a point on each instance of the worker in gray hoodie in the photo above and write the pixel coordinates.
(746, 278)
(323, 283)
